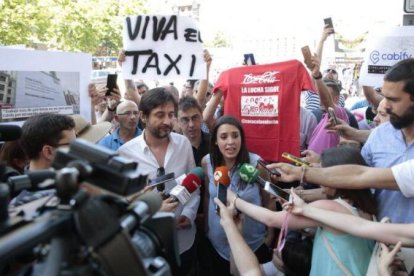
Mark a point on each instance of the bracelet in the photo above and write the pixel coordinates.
(111, 109)
(234, 204)
(318, 77)
(302, 177)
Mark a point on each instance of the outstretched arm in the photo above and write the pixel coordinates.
(325, 33)
(246, 261)
(323, 91)
(208, 113)
(267, 217)
(203, 86)
(342, 176)
(383, 232)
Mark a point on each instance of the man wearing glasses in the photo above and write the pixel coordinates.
(158, 147)
(190, 119)
(42, 135)
(127, 116)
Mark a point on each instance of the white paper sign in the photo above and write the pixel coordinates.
(384, 49)
(34, 82)
(162, 47)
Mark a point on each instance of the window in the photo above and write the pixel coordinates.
(1, 87)
(1, 97)
(2, 78)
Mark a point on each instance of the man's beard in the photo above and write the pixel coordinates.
(403, 121)
(160, 132)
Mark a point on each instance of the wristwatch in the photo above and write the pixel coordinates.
(318, 77)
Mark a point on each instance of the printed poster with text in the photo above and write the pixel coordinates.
(384, 49)
(35, 82)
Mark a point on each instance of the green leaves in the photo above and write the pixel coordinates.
(93, 26)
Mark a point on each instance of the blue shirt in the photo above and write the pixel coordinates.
(253, 232)
(384, 148)
(114, 141)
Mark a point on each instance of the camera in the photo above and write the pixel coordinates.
(76, 233)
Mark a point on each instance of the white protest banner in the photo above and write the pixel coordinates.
(162, 47)
(34, 82)
(384, 49)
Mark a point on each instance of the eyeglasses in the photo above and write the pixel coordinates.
(330, 71)
(129, 113)
(186, 120)
(61, 145)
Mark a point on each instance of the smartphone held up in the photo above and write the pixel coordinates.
(307, 55)
(111, 83)
(329, 24)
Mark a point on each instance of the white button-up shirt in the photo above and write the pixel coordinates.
(179, 159)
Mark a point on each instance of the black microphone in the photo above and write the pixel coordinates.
(9, 132)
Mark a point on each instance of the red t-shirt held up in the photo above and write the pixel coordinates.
(266, 99)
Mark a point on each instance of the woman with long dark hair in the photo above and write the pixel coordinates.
(228, 148)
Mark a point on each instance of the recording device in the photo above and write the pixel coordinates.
(264, 164)
(107, 169)
(250, 174)
(222, 181)
(296, 160)
(183, 192)
(9, 132)
(332, 115)
(328, 21)
(249, 59)
(88, 235)
(307, 55)
(32, 181)
(161, 180)
(111, 83)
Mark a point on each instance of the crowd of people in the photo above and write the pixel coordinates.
(361, 171)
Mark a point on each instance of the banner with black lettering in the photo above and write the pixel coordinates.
(384, 49)
(162, 47)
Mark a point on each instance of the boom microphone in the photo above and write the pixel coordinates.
(250, 174)
(9, 132)
(222, 180)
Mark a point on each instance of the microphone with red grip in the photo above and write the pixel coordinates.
(183, 191)
(222, 181)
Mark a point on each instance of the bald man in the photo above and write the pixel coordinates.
(127, 115)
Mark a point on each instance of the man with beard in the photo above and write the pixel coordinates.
(159, 149)
(392, 142)
(127, 116)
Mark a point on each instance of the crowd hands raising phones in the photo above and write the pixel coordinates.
(353, 177)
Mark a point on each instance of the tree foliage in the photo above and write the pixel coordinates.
(93, 26)
(219, 40)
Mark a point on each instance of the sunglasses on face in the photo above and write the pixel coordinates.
(330, 71)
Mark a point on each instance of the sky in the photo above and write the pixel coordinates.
(299, 17)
